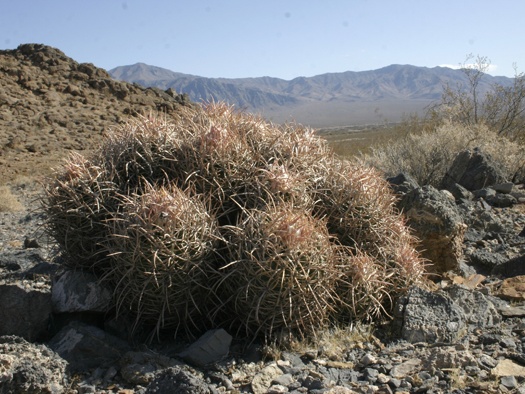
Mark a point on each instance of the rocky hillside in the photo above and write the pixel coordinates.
(50, 104)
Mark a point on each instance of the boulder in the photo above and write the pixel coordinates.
(443, 316)
(86, 347)
(30, 368)
(437, 222)
(474, 170)
(77, 291)
(25, 307)
(424, 316)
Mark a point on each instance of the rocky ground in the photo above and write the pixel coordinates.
(463, 333)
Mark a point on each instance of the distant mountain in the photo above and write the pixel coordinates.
(325, 100)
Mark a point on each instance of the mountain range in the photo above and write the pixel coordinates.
(326, 100)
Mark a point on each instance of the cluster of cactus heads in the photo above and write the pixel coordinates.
(219, 218)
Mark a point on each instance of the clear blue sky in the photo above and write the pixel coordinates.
(278, 38)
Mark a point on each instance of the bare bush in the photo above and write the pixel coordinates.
(427, 155)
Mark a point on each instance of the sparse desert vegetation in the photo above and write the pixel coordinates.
(425, 146)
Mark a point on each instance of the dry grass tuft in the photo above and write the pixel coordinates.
(8, 201)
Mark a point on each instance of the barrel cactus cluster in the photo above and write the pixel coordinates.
(218, 218)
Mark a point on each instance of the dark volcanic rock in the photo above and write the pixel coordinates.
(85, 346)
(423, 316)
(473, 170)
(30, 368)
(25, 308)
(510, 268)
(402, 183)
(435, 220)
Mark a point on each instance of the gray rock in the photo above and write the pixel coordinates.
(86, 347)
(486, 193)
(211, 347)
(484, 258)
(474, 170)
(480, 219)
(406, 368)
(509, 382)
(402, 183)
(30, 368)
(423, 316)
(77, 291)
(263, 380)
(479, 311)
(437, 222)
(178, 380)
(510, 268)
(460, 193)
(518, 194)
(25, 308)
(448, 357)
(503, 200)
(283, 380)
(504, 188)
(21, 260)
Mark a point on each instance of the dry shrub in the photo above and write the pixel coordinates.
(427, 155)
(289, 237)
(162, 254)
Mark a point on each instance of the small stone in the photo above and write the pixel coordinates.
(382, 378)
(395, 383)
(277, 389)
(407, 368)
(368, 359)
(86, 389)
(507, 342)
(505, 188)
(424, 375)
(283, 380)
(211, 347)
(508, 367)
(509, 382)
(262, 381)
(30, 243)
(371, 374)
